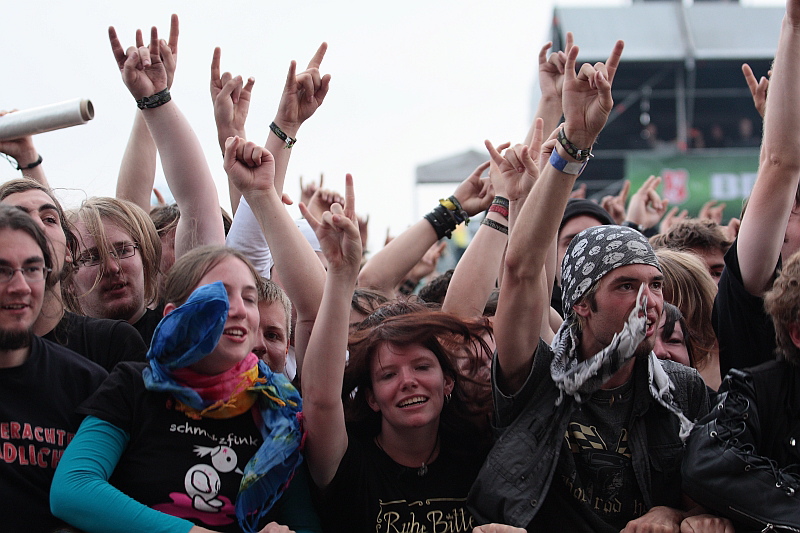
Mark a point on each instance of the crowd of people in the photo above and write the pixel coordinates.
(586, 366)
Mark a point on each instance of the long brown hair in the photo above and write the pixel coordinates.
(458, 348)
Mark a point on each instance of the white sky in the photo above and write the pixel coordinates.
(412, 82)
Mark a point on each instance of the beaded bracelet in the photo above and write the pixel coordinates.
(502, 228)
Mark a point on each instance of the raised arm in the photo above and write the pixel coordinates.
(302, 95)
(137, 171)
(761, 235)
(231, 99)
(587, 103)
(250, 168)
(477, 272)
(387, 268)
(323, 368)
(182, 157)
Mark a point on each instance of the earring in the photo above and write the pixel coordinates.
(447, 398)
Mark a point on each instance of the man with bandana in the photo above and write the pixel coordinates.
(594, 424)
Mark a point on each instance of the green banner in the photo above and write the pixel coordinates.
(690, 180)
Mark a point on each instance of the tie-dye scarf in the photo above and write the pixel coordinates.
(188, 334)
(592, 254)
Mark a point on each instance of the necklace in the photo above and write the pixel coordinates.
(422, 470)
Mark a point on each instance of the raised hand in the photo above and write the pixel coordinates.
(475, 193)
(322, 200)
(586, 96)
(303, 93)
(231, 98)
(307, 191)
(647, 207)
(517, 168)
(712, 210)
(250, 167)
(143, 72)
(671, 218)
(551, 70)
(758, 89)
(579, 193)
(615, 205)
(338, 235)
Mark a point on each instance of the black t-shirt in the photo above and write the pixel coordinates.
(744, 330)
(38, 400)
(100, 340)
(146, 325)
(594, 477)
(175, 464)
(371, 493)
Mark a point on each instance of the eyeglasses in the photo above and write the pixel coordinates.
(120, 251)
(30, 273)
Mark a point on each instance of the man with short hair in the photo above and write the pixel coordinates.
(41, 383)
(702, 237)
(593, 425)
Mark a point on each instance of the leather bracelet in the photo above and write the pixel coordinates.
(32, 165)
(575, 152)
(282, 136)
(156, 100)
(502, 228)
(454, 206)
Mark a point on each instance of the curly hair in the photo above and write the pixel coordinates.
(782, 303)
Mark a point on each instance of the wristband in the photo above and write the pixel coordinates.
(454, 206)
(633, 225)
(499, 200)
(157, 100)
(571, 149)
(567, 167)
(282, 136)
(502, 228)
(442, 220)
(499, 209)
(32, 165)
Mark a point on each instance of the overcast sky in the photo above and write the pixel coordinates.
(412, 82)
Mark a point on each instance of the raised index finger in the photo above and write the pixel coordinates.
(613, 60)
(349, 198)
(316, 61)
(215, 64)
(543, 52)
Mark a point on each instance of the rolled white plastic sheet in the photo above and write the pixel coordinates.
(45, 118)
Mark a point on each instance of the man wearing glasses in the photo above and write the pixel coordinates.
(117, 262)
(41, 383)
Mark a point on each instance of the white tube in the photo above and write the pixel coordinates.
(45, 118)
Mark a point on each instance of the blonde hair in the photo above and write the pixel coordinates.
(689, 287)
(135, 222)
(782, 302)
